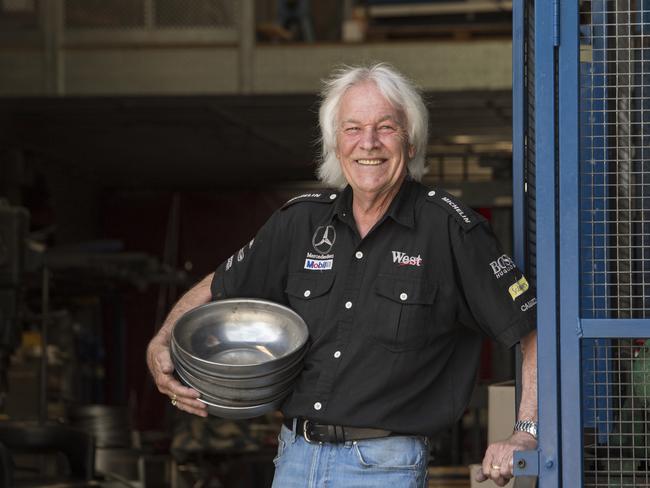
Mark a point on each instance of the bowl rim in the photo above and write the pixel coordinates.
(256, 301)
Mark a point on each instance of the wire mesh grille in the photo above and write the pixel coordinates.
(529, 142)
(614, 140)
(617, 432)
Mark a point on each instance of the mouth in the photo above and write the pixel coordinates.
(370, 162)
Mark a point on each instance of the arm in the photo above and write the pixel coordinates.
(501, 453)
(158, 356)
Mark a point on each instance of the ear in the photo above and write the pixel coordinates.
(411, 151)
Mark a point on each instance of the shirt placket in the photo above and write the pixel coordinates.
(346, 304)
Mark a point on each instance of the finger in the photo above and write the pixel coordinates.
(164, 362)
(479, 476)
(201, 412)
(486, 465)
(500, 481)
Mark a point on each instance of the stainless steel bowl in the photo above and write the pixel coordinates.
(289, 370)
(240, 338)
(259, 394)
(242, 412)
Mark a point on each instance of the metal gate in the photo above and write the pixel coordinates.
(582, 146)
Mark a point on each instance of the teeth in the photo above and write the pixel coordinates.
(370, 162)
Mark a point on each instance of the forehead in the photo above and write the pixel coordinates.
(364, 102)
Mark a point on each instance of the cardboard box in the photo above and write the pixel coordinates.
(501, 420)
(501, 411)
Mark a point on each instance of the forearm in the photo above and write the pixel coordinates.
(198, 295)
(528, 405)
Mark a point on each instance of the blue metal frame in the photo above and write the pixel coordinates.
(547, 292)
(569, 244)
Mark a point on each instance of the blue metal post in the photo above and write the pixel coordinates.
(569, 245)
(548, 373)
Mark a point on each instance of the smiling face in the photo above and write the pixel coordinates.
(372, 142)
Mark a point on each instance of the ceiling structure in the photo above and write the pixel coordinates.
(224, 141)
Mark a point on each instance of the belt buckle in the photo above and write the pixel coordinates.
(305, 433)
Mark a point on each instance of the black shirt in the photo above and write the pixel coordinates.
(395, 319)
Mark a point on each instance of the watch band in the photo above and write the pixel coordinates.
(529, 426)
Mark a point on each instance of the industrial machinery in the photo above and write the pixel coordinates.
(14, 224)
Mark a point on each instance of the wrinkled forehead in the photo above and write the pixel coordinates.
(365, 103)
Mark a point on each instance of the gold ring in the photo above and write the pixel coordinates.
(496, 466)
(174, 400)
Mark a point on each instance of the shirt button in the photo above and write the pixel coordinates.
(337, 354)
(348, 305)
(307, 293)
(431, 193)
(332, 196)
(358, 254)
(317, 406)
(403, 296)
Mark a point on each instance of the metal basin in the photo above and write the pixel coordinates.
(290, 370)
(239, 338)
(237, 402)
(259, 394)
(242, 412)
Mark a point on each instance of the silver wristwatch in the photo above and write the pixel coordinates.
(529, 426)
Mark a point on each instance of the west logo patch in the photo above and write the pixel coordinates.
(403, 260)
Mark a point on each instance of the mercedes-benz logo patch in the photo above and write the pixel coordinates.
(324, 239)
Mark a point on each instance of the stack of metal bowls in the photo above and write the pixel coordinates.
(242, 355)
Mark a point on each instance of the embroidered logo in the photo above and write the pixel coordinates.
(502, 265)
(518, 288)
(323, 239)
(458, 210)
(319, 264)
(229, 263)
(529, 304)
(403, 260)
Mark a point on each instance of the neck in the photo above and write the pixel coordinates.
(369, 208)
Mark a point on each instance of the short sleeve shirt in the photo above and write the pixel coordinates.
(396, 319)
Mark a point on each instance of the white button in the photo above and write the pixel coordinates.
(317, 406)
(332, 197)
(431, 193)
(403, 296)
(307, 293)
(348, 305)
(358, 254)
(337, 354)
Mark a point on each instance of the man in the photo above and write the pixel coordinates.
(395, 281)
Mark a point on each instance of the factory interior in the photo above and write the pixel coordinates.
(143, 142)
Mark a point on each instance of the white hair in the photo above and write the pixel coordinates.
(397, 89)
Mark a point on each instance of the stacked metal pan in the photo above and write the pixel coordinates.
(241, 355)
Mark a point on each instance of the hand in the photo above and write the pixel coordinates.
(498, 460)
(162, 369)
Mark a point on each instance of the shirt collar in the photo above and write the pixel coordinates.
(401, 209)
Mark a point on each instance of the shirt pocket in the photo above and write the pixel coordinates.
(309, 296)
(404, 313)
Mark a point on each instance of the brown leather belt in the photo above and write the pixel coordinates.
(319, 433)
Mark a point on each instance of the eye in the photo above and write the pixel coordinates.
(387, 128)
(352, 129)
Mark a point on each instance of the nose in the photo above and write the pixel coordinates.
(369, 139)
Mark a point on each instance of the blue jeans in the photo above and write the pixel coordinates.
(394, 462)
